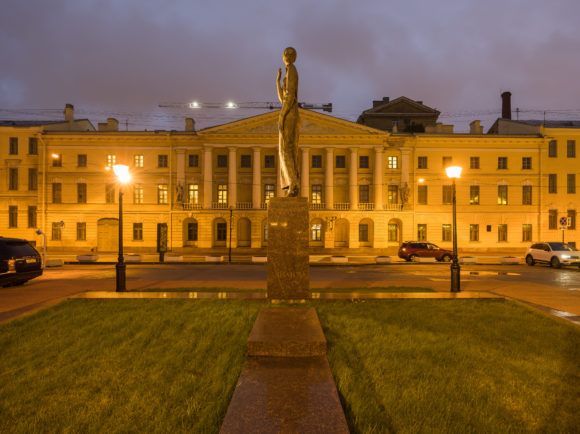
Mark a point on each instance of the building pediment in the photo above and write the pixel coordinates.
(311, 124)
(402, 105)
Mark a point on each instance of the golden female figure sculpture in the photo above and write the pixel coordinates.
(288, 123)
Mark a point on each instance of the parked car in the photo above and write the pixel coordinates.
(19, 262)
(553, 253)
(410, 250)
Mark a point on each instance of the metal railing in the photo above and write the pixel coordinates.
(342, 206)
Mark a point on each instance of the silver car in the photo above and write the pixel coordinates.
(553, 253)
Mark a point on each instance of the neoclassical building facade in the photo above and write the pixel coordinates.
(367, 188)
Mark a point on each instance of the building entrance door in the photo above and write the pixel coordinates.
(107, 235)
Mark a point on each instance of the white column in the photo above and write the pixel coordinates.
(305, 173)
(329, 179)
(353, 179)
(378, 177)
(257, 179)
(207, 178)
(232, 177)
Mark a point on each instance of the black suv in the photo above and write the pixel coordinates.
(410, 250)
(19, 262)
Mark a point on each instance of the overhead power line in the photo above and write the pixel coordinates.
(268, 105)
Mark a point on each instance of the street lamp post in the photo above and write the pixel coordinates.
(123, 176)
(454, 172)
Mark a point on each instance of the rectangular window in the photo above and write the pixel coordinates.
(421, 232)
(81, 160)
(222, 161)
(526, 194)
(502, 233)
(138, 160)
(422, 195)
(137, 194)
(81, 192)
(363, 232)
(526, 163)
(446, 232)
(13, 148)
(572, 218)
(111, 160)
(32, 213)
(317, 161)
(245, 161)
(421, 162)
(447, 161)
(316, 194)
(526, 232)
(269, 192)
(571, 149)
(32, 179)
(553, 149)
(474, 194)
(393, 162)
(363, 162)
(393, 194)
(162, 194)
(81, 231)
(56, 234)
(363, 194)
(447, 198)
(109, 193)
(340, 161)
(162, 161)
(12, 178)
(192, 231)
(56, 160)
(32, 146)
(553, 219)
(137, 231)
(12, 216)
(474, 162)
(571, 183)
(393, 230)
(502, 163)
(473, 232)
(269, 161)
(316, 232)
(221, 232)
(56, 192)
(193, 193)
(193, 160)
(552, 183)
(223, 193)
(502, 194)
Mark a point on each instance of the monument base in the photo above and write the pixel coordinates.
(288, 267)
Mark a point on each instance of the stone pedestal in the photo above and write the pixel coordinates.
(288, 269)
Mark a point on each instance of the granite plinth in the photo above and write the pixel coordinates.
(288, 260)
(285, 395)
(287, 332)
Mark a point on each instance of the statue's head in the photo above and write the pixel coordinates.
(289, 55)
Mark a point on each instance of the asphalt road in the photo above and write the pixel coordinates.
(541, 285)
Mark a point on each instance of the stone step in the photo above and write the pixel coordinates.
(285, 395)
(287, 332)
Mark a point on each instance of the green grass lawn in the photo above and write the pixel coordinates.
(123, 366)
(453, 366)
(368, 289)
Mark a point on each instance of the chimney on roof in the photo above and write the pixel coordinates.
(475, 127)
(69, 112)
(112, 124)
(385, 100)
(189, 124)
(506, 105)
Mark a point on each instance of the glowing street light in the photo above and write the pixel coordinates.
(124, 177)
(454, 172)
(194, 105)
(231, 105)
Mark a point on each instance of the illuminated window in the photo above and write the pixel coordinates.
(446, 232)
(393, 194)
(502, 194)
(393, 230)
(193, 193)
(138, 194)
(474, 194)
(111, 160)
(473, 232)
(162, 194)
(393, 162)
(223, 193)
(316, 232)
(316, 196)
(138, 160)
(269, 192)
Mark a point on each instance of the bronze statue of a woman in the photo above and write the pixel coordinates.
(288, 124)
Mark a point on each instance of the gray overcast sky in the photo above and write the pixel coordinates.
(123, 57)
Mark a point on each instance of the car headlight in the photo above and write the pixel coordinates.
(565, 256)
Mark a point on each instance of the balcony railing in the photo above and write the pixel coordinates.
(219, 205)
(393, 206)
(244, 205)
(264, 205)
(366, 206)
(341, 206)
(189, 206)
(317, 206)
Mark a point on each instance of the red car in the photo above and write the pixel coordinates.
(410, 250)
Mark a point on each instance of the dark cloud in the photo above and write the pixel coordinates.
(126, 56)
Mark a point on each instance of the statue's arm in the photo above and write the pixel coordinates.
(279, 86)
